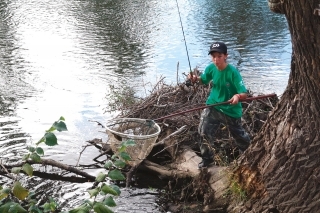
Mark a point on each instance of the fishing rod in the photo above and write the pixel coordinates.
(217, 104)
(185, 42)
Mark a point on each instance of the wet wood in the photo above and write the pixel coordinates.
(48, 162)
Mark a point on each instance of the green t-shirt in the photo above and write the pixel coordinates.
(225, 84)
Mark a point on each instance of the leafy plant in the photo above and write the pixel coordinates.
(118, 161)
(12, 197)
(235, 190)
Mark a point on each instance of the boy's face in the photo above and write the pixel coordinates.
(219, 59)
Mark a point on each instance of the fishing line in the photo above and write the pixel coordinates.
(185, 43)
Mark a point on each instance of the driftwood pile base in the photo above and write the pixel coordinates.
(175, 156)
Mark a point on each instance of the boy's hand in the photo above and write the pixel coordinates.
(193, 78)
(235, 99)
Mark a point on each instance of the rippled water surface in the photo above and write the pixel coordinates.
(59, 58)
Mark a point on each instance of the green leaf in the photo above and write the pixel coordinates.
(93, 192)
(119, 163)
(4, 193)
(50, 139)
(40, 151)
(101, 177)
(35, 157)
(108, 190)
(116, 175)
(60, 126)
(62, 118)
(27, 169)
(109, 201)
(49, 207)
(6, 190)
(5, 207)
(125, 156)
(31, 149)
(34, 209)
(129, 142)
(16, 170)
(20, 192)
(12, 207)
(25, 157)
(108, 164)
(17, 208)
(100, 208)
(115, 188)
(46, 207)
(122, 149)
(81, 209)
(88, 202)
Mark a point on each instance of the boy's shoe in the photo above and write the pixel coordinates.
(205, 163)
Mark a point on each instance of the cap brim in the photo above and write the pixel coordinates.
(219, 51)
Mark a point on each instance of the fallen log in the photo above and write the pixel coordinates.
(48, 162)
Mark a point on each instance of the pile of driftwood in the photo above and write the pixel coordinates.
(175, 155)
(166, 100)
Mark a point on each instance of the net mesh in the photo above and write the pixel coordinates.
(143, 132)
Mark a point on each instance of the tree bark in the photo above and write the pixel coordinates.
(283, 158)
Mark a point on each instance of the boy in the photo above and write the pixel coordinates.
(227, 85)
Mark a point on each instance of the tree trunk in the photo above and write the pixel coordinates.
(283, 158)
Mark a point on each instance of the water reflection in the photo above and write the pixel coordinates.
(58, 58)
(258, 40)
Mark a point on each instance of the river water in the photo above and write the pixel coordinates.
(60, 58)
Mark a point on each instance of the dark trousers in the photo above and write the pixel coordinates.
(210, 122)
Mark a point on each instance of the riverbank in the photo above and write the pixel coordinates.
(189, 190)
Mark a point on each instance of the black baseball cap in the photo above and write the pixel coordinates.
(218, 47)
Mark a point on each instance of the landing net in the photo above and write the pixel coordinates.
(143, 132)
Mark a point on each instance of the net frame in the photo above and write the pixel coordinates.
(142, 131)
